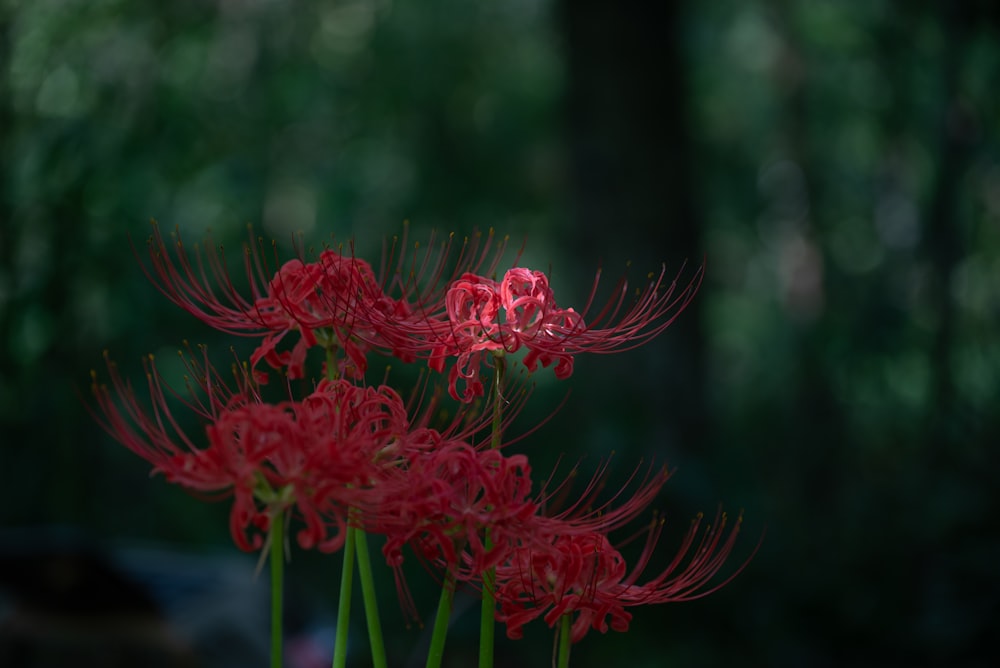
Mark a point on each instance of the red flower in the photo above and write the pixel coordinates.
(573, 577)
(321, 300)
(583, 575)
(521, 311)
(317, 457)
(442, 502)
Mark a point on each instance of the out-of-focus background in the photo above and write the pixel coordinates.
(835, 163)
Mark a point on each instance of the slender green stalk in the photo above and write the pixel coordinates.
(487, 625)
(565, 638)
(356, 542)
(371, 601)
(436, 651)
(347, 571)
(344, 606)
(277, 556)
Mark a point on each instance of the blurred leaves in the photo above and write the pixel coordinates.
(840, 171)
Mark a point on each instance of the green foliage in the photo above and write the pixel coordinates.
(844, 173)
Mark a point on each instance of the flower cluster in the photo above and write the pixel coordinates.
(352, 457)
(338, 301)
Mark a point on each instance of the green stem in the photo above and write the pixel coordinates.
(277, 583)
(487, 625)
(344, 606)
(565, 637)
(436, 651)
(357, 541)
(371, 601)
(347, 570)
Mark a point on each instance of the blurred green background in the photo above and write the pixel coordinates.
(836, 164)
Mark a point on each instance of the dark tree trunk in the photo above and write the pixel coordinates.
(633, 194)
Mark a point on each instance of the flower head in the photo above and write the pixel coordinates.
(315, 457)
(585, 576)
(322, 301)
(520, 311)
(444, 500)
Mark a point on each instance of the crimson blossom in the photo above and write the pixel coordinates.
(444, 500)
(424, 304)
(487, 317)
(317, 457)
(583, 575)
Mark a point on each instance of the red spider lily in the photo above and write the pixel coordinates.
(443, 501)
(317, 457)
(521, 311)
(336, 300)
(484, 316)
(320, 300)
(585, 576)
